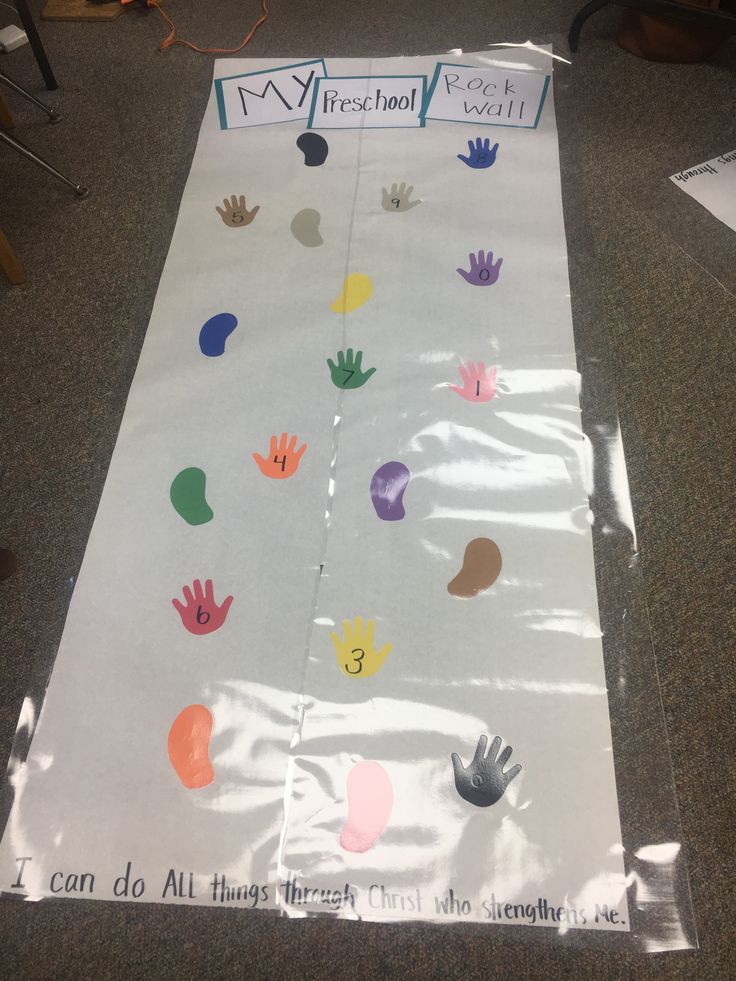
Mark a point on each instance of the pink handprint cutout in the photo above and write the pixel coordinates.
(199, 613)
(478, 385)
(483, 270)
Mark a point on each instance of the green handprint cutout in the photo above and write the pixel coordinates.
(347, 372)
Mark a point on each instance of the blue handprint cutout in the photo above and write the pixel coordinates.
(483, 270)
(480, 154)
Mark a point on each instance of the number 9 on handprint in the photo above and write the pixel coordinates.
(357, 656)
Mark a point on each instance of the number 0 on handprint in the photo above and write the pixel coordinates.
(356, 654)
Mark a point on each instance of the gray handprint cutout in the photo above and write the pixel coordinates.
(397, 199)
(484, 782)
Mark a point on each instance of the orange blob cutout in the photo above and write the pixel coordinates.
(189, 743)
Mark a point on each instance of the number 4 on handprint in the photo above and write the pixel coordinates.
(199, 612)
(478, 385)
(283, 457)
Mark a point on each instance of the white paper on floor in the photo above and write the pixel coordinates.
(713, 184)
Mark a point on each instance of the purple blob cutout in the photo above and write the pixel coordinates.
(387, 490)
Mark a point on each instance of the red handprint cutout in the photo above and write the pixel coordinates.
(478, 386)
(199, 613)
(283, 457)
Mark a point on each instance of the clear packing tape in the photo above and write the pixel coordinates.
(360, 629)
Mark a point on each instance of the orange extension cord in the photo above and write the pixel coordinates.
(172, 39)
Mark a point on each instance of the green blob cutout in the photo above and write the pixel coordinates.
(188, 498)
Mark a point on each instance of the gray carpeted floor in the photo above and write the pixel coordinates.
(666, 275)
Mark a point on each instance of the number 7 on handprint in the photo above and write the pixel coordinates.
(283, 457)
(356, 654)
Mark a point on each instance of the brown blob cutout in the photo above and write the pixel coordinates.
(481, 568)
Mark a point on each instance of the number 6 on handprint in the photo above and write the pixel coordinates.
(356, 654)
(199, 613)
(283, 457)
(480, 155)
(483, 270)
(483, 781)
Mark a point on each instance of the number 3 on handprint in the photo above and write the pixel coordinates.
(356, 654)
(283, 457)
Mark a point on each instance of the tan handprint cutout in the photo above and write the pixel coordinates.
(234, 212)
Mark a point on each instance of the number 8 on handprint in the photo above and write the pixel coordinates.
(283, 457)
(356, 654)
(480, 155)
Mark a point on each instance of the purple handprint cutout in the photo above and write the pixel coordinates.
(483, 270)
(480, 154)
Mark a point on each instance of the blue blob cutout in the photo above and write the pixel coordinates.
(215, 332)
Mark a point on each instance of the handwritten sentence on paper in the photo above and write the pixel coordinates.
(490, 96)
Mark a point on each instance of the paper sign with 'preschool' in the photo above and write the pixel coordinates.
(361, 102)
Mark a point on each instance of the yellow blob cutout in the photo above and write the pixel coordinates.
(356, 290)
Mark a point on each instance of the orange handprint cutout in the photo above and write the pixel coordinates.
(189, 745)
(283, 457)
(199, 613)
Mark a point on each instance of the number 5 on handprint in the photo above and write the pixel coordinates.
(199, 612)
(356, 654)
(483, 270)
(480, 155)
(398, 198)
(478, 386)
(283, 457)
(483, 781)
(234, 212)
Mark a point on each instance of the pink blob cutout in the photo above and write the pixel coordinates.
(370, 799)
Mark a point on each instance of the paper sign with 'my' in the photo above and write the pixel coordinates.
(489, 96)
(277, 95)
(368, 102)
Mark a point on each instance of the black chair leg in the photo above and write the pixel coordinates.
(34, 40)
(580, 18)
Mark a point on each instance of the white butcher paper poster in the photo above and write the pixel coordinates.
(334, 645)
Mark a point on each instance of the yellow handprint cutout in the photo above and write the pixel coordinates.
(356, 654)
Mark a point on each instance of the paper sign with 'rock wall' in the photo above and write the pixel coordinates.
(489, 96)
